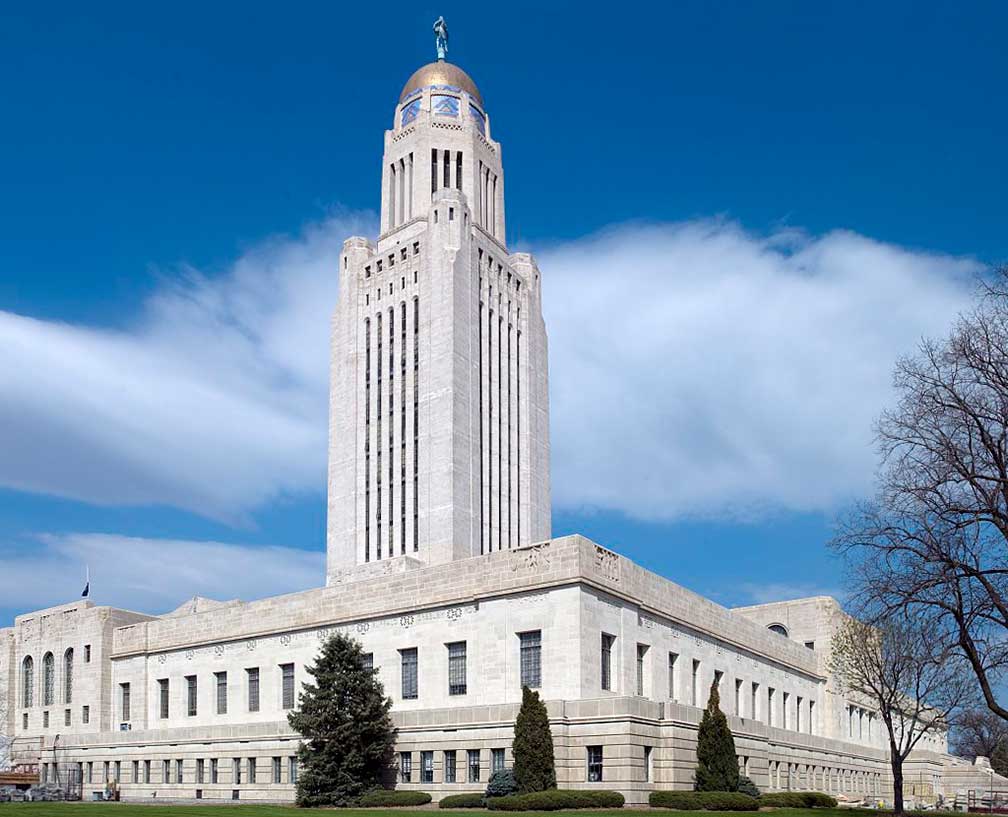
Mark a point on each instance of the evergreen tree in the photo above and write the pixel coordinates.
(717, 764)
(533, 745)
(344, 718)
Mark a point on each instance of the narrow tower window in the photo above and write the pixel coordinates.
(367, 439)
(458, 170)
(378, 441)
(446, 182)
(433, 171)
(416, 424)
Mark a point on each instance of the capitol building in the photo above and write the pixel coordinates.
(440, 562)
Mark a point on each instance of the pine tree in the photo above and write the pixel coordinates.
(533, 745)
(717, 764)
(349, 740)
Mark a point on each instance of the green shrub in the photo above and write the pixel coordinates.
(389, 798)
(797, 799)
(554, 799)
(703, 801)
(746, 786)
(468, 800)
(502, 783)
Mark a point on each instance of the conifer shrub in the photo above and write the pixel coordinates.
(717, 764)
(534, 768)
(502, 783)
(343, 717)
(797, 799)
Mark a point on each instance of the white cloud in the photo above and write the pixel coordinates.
(756, 593)
(696, 369)
(150, 575)
(213, 400)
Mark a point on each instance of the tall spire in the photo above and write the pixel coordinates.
(441, 37)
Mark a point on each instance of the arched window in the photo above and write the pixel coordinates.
(48, 678)
(780, 629)
(68, 676)
(27, 681)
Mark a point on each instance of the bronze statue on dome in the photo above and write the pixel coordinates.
(441, 37)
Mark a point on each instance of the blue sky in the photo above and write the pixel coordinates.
(781, 197)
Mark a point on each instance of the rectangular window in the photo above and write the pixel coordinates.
(199, 769)
(496, 760)
(236, 770)
(594, 764)
(253, 688)
(90, 771)
(426, 767)
(292, 769)
(213, 770)
(673, 685)
(367, 661)
(410, 682)
(287, 682)
(124, 699)
(276, 769)
(251, 770)
(221, 692)
(784, 706)
(457, 668)
(641, 655)
(405, 767)
(66, 717)
(45, 720)
(754, 710)
(117, 771)
(769, 706)
(191, 694)
(798, 708)
(178, 770)
(85, 714)
(606, 655)
(449, 767)
(87, 653)
(163, 689)
(738, 697)
(695, 683)
(136, 771)
(647, 764)
(811, 719)
(474, 765)
(531, 658)
(147, 765)
(165, 771)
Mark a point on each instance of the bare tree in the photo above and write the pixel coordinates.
(936, 538)
(981, 733)
(914, 683)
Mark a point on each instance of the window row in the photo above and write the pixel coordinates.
(379, 264)
(748, 699)
(235, 771)
(67, 718)
(219, 685)
(811, 777)
(48, 691)
(529, 657)
(390, 288)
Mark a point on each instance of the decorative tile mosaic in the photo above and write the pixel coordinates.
(443, 105)
(410, 111)
(477, 116)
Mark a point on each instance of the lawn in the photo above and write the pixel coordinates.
(225, 809)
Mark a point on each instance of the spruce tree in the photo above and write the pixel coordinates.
(533, 745)
(717, 764)
(343, 716)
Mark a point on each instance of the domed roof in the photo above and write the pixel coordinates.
(441, 73)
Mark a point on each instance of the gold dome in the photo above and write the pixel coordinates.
(441, 73)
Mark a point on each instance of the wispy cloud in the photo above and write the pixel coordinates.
(696, 369)
(150, 575)
(755, 593)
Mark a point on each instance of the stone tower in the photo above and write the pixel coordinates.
(439, 402)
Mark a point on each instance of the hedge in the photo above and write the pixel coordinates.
(554, 799)
(703, 801)
(798, 799)
(472, 799)
(388, 797)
